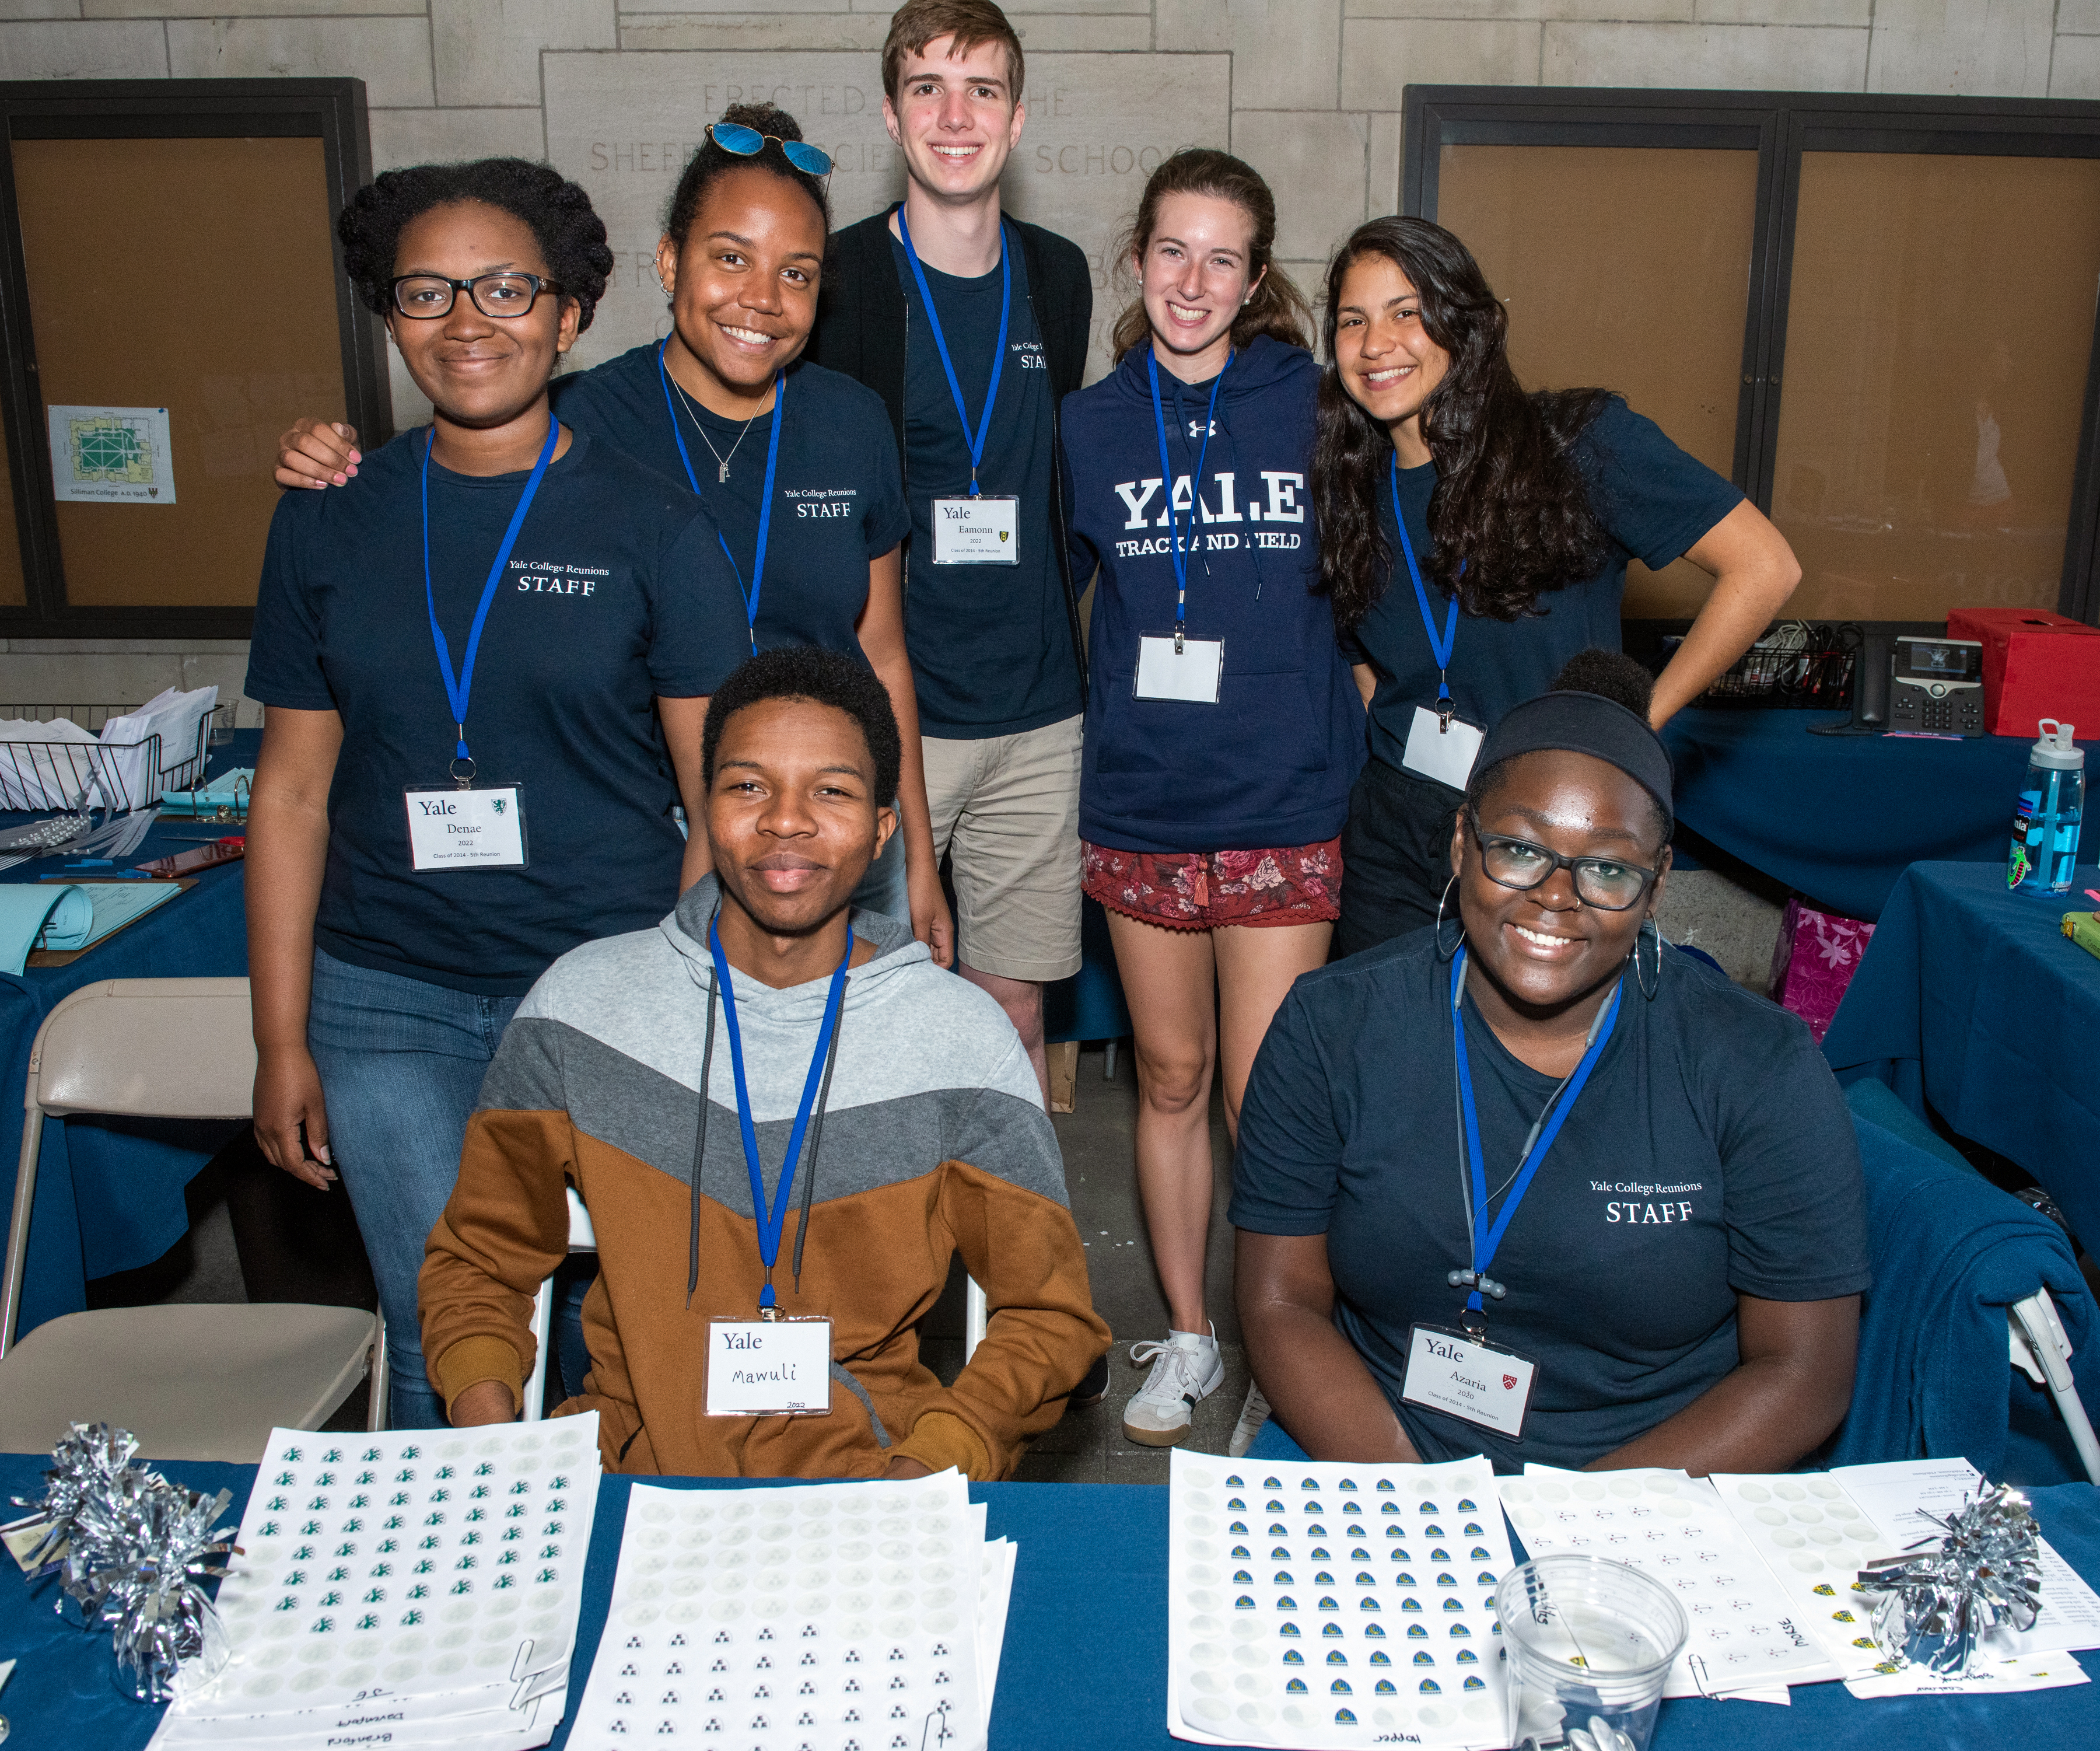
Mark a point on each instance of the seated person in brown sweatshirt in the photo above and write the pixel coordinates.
(668, 1075)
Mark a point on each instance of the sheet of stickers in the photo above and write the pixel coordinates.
(413, 1589)
(1815, 1533)
(1746, 1639)
(1314, 1605)
(836, 1617)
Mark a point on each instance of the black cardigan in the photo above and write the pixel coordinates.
(863, 330)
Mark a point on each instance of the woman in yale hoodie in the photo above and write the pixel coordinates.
(1223, 728)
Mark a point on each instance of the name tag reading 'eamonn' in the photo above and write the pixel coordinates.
(769, 1367)
(452, 828)
(1447, 1371)
(982, 531)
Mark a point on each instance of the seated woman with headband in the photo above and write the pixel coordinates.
(1532, 1183)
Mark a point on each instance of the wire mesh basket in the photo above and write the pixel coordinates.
(71, 773)
(1795, 666)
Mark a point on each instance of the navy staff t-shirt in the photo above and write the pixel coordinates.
(611, 597)
(1654, 503)
(991, 645)
(838, 498)
(1710, 1153)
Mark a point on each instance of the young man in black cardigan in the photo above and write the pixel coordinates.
(996, 652)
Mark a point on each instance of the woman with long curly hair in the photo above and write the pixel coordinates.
(1222, 730)
(1474, 537)
(461, 782)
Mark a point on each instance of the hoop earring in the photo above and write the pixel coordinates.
(1651, 982)
(1443, 953)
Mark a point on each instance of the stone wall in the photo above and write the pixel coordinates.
(1309, 90)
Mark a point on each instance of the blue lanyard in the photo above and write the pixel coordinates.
(460, 687)
(1439, 648)
(765, 493)
(771, 1223)
(1195, 487)
(976, 444)
(1535, 1147)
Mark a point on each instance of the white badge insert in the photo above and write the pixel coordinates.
(769, 1367)
(452, 828)
(1475, 1382)
(984, 531)
(1445, 753)
(1190, 674)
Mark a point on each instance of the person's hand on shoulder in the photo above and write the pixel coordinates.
(318, 452)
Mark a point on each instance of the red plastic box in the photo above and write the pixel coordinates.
(2036, 665)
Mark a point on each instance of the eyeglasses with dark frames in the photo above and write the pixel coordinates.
(427, 296)
(747, 143)
(1610, 884)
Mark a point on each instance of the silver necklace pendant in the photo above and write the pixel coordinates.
(722, 477)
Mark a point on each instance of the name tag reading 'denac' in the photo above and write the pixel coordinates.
(769, 1367)
(452, 828)
(984, 531)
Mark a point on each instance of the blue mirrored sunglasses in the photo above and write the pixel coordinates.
(747, 143)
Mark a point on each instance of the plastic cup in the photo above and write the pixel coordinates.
(1590, 1643)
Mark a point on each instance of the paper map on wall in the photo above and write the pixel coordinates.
(1317, 1605)
(1746, 1637)
(829, 1617)
(112, 455)
(424, 1586)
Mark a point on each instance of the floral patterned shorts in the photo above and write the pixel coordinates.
(1200, 891)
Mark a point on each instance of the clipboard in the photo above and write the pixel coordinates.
(67, 956)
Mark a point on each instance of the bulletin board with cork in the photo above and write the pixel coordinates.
(171, 298)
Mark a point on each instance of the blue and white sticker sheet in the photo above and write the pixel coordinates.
(1313, 1605)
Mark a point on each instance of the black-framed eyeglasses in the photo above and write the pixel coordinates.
(427, 296)
(1610, 884)
(747, 143)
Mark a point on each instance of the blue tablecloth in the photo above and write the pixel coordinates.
(1838, 817)
(1970, 997)
(1085, 1664)
(109, 1193)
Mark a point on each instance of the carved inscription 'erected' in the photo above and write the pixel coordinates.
(623, 123)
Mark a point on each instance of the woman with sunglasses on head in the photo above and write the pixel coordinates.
(485, 664)
(1222, 729)
(798, 464)
(1640, 1239)
(1473, 537)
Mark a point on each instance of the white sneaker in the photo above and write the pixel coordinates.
(1186, 1369)
(1254, 1413)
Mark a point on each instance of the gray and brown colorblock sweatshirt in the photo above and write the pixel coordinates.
(934, 1142)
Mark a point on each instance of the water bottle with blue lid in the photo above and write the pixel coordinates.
(2045, 819)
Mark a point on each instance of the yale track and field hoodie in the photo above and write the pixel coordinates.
(1270, 763)
(933, 1143)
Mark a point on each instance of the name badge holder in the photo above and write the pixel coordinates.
(1441, 745)
(1459, 1372)
(773, 1366)
(980, 529)
(1173, 666)
(765, 496)
(456, 825)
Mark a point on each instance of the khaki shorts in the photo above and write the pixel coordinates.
(1008, 809)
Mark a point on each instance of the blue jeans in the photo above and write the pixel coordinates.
(401, 1062)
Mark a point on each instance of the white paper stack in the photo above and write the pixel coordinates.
(41, 767)
(1746, 1640)
(412, 1589)
(1312, 1605)
(1816, 1532)
(809, 1618)
(177, 718)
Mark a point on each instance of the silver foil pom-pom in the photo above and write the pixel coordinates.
(131, 1549)
(1937, 1605)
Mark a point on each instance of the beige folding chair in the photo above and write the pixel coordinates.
(584, 1239)
(190, 1381)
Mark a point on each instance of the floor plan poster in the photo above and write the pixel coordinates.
(112, 455)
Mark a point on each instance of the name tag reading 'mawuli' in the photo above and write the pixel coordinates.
(769, 1367)
(452, 828)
